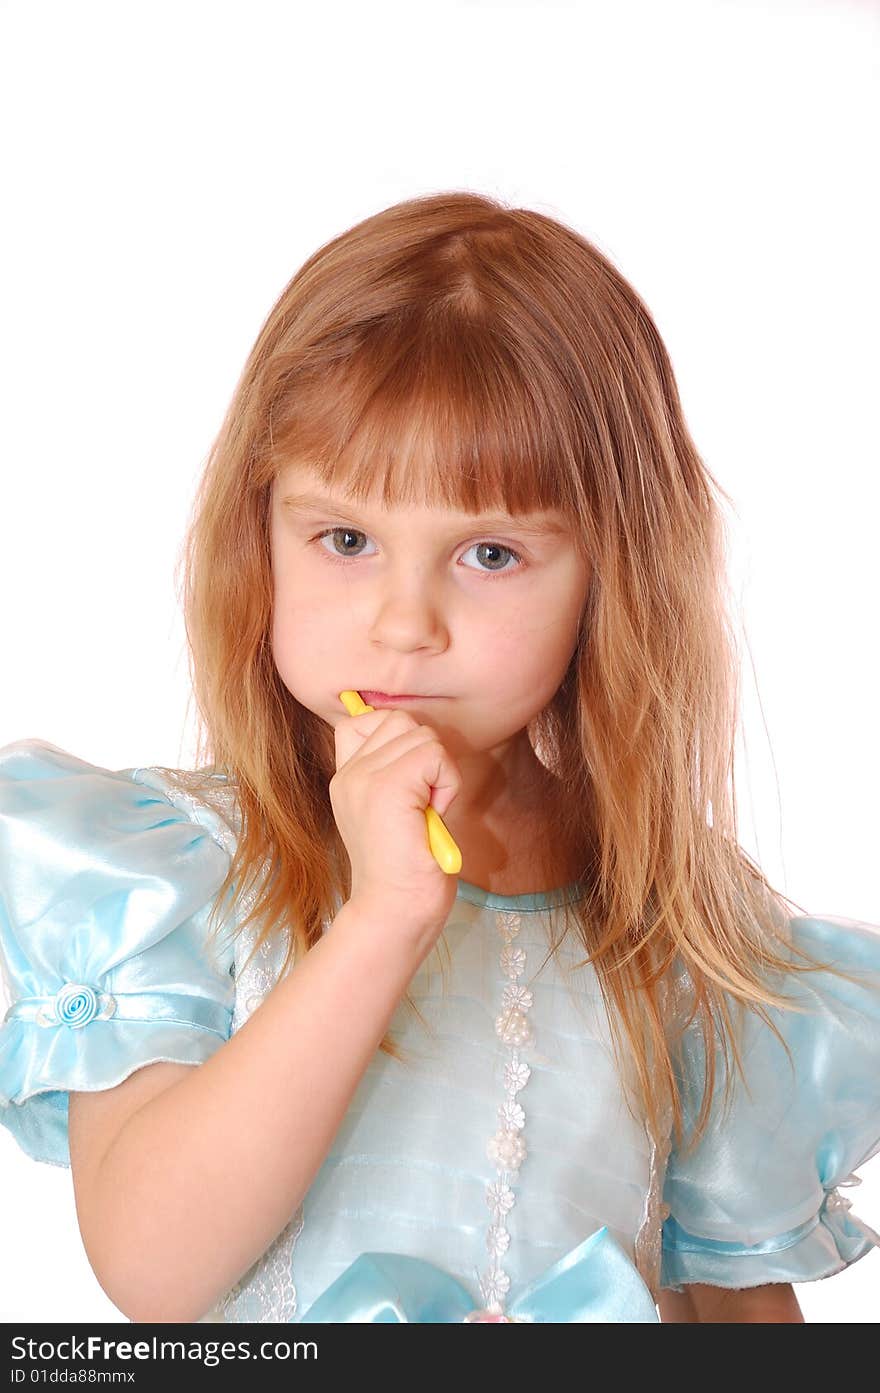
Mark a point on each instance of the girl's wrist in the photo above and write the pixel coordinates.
(377, 914)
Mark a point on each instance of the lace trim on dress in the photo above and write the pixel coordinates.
(507, 1147)
(648, 1239)
(836, 1203)
(191, 791)
(677, 990)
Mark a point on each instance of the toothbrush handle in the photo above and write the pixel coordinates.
(443, 848)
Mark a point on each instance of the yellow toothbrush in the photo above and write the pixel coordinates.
(443, 848)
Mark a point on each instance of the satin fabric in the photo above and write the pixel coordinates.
(594, 1282)
(106, 882)
(758, 1201)
(107, 885)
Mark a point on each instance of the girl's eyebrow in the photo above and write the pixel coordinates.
(532, 524)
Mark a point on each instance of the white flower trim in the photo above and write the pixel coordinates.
(507, 1147)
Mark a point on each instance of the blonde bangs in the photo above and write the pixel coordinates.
(431, 410)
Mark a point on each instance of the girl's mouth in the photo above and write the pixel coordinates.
(390, 698)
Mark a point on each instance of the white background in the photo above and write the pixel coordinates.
(166, 169)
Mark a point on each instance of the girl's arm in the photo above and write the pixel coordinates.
(192, 1187)
(775, 1303)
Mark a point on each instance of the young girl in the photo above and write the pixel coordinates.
(605, 1070)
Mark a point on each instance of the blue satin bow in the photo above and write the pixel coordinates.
(596, 1281)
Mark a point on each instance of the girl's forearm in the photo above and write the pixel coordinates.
(202, 1178)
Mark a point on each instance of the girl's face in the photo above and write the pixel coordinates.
(476, 617)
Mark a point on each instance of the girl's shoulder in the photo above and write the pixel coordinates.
(110, 958)
(208, 796)
(758, 1199)
(45, 786)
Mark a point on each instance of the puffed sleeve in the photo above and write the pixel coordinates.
(105, 890)
(758, 1200)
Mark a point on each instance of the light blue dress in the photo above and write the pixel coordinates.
(496, 1172)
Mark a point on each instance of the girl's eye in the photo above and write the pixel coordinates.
(483, 546)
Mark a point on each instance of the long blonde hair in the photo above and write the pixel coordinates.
(530, 375)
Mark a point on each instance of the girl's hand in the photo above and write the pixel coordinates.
(388, 770)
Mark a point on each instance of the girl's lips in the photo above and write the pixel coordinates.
(388, 698)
